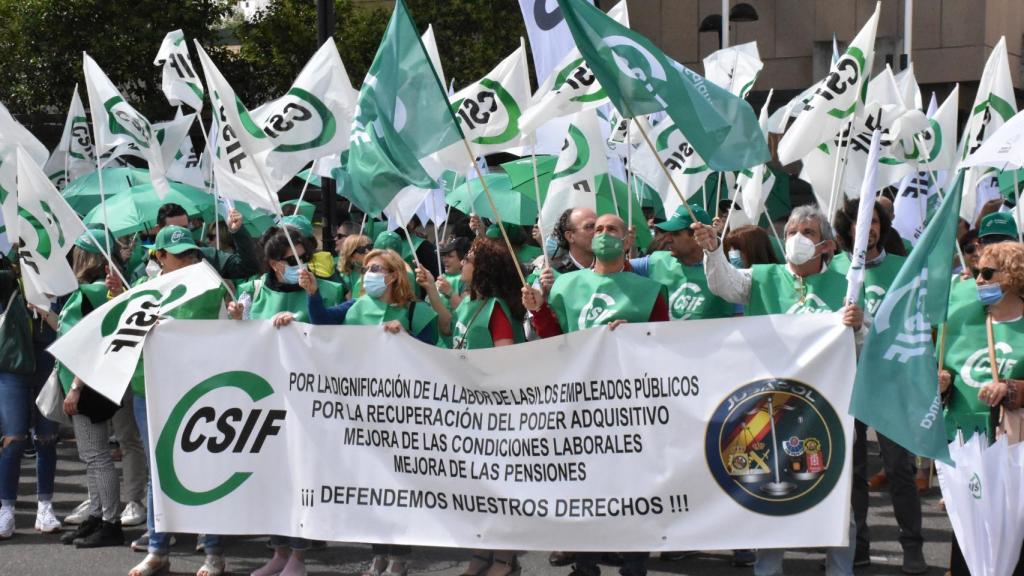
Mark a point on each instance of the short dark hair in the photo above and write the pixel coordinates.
(277, 244)
(166, 211)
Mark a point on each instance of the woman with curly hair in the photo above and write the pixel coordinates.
(980, 373)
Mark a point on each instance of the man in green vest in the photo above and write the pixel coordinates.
(681, 269)
(880, 269)
(803, 285)
(243, 263)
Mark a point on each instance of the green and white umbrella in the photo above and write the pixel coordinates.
(135, 209)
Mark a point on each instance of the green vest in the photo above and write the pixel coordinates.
(688, 295)
(367, 311)
(472, 323)
(967, 357)
(455, 280)
(583, 299)
(877, 279)
(527, 253)
(775, 290)
(72, 313)
(206, 306)
(266, 301)
(962, 293)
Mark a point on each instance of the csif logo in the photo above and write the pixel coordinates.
(191, 429)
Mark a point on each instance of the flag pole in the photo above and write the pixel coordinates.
(629, 179)
(437, 241)
(494, 209)
(540, 205)
(408, 238)
(362, 226)
(836, 178)
(718, 193)
(664, 169)
(306, 184)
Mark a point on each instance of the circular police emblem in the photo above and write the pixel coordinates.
(776, 446)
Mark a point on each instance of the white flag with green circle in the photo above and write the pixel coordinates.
(74, 155)
(488, 111)
(575, 179)
(179, 79)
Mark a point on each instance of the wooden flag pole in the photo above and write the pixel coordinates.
(494, 209)
(540, 205)
(664, 169)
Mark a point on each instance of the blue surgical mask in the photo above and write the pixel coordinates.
(374, 284)
(989, 294)
(736, 258)
(551, 245)
(291, 274)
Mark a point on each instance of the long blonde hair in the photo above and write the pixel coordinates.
(348, 249)
(401, 292)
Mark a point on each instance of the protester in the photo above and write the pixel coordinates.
(995, 228)
(22, 362)
(320, 262)
(174, 249)
(749, 245)
(880, 270)
(90, 413)
(350, 263)
(450, 286)
(345, 229)
(804, 285)
(978, 336)
(243, 263)
(681, 270)
(574, 232)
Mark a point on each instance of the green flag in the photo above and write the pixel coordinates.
(895, 391)
(403, 126)
(641, 79)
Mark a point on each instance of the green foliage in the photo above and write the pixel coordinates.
(41, 42)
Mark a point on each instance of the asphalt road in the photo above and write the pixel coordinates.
(30, 554)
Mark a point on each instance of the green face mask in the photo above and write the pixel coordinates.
(607, 247)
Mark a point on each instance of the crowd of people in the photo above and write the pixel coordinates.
(467, 293)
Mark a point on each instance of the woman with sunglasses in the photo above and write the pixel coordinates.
(354, 249)
(989, 332)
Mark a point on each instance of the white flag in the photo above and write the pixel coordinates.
(835, 100)
(104, 348)
(550, 39)
(48, 230)
(488, 111)
(755, 186)
(570, 88)
(13, 135)
(687, 169)
(734, 68)
(574, 181)
(74, 155)
(918, 191)
(865, 213)
(239, 142)
(311, 121)
(180, 82)
(939, 140)
(116, 123)
(907, 83)
(430, 47)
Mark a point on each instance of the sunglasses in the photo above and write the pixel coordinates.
(378, 269)
(361, 250)
(987, 273)
(293, 261)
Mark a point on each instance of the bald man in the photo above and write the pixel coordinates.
(610, 293)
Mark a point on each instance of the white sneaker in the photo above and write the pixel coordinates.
(6, 522)
(79, 514)
(134, 513)
(46, 520)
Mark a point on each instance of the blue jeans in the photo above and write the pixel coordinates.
(160, 542)
(289, 542)
(18, 413)
(838, 560)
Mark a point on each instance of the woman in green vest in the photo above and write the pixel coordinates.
(91, 427)
(987, 333)
(354, 249)
(277, 292)
(491, 315)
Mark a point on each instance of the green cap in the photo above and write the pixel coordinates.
(998, 224)
(388, 241)
(300, 223)
(99, 236)
(681, 220)
(515, 233)
(175, 240)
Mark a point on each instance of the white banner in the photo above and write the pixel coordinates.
(653, 437)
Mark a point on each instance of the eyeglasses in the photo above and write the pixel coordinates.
(987, 273)
(293, 261)
(586, 227)
(378, 269)
(361, 250)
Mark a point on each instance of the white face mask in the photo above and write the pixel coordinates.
(800, 249)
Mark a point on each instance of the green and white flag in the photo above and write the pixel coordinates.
(896, 391)
(403, 133)
(687, 169)
(755, 184)
(238, 143)
(993, 106)
(116, 123)
(489, 110)
(74, 155)
(640, 79)
(734, 68)
(571, 87)
(104, 348)
(574, 182)
(430, 45)
(836, 98)
(939, 140)
(48, 229)
(179, 80)
(13, 135)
